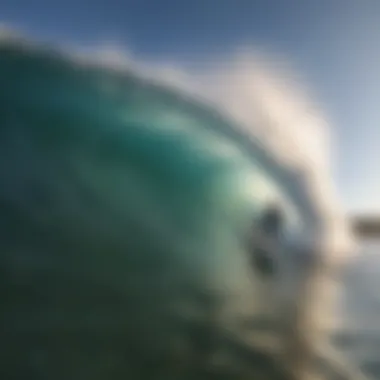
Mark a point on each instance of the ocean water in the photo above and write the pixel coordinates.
(359, 309)
(177, 119)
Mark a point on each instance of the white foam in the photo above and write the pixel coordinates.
(261, 93)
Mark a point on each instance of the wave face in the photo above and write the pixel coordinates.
(266, 103)
(127, 211)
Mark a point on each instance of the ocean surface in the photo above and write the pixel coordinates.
(359, 310)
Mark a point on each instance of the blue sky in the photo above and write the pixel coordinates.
(336, 44)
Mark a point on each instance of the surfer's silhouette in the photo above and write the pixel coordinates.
(272, 219)
(266, 236)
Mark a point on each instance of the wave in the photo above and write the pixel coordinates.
(267, 103)
(222, 121)
(262, 99)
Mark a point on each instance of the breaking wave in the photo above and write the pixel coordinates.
(266, 103)
(248, 98)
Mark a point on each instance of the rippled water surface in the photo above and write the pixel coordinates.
(360, 310)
